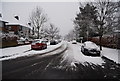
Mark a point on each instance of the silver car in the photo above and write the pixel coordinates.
(90, 48)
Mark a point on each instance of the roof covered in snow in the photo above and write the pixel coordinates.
(10, 24)
(3, 21)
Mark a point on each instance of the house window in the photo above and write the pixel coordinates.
(9, 27)
(20, 28)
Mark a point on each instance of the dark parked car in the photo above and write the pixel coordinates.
(90, 48)
(39, 45)
(53, 42)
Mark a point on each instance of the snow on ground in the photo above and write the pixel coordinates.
(75, 51)
(112, 54)
(74, 54)
(25, 50)
(11, 51)
(49, 48)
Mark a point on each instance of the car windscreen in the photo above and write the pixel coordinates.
(91, 45)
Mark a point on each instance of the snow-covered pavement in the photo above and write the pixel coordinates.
(112, 54)
(25, 50)
(12, 51)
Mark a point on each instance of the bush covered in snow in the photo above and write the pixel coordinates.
(8, 39)
(8, 36)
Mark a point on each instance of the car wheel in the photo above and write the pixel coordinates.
(85, 52)
(42, 48)
(99, 54)
(81, 50)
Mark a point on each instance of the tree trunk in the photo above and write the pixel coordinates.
(33, 31)
(100, 41)
(38, 34)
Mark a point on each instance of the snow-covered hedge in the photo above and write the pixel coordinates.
(109, 41)
(8, 39)
(8, 36)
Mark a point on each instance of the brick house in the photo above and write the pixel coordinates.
(3, 27)
(19, 30)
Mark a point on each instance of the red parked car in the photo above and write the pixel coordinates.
(38, 45)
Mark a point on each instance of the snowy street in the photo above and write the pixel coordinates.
(69, 64)
(60, 40)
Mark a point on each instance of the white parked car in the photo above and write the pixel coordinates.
(74, 42)
(90, 48)
(21, 40)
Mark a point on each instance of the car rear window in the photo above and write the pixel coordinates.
(36, 41)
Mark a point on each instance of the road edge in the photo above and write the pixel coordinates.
(104, 57)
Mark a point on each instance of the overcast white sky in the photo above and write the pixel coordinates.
(60, 14)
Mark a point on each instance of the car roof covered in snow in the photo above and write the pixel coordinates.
(89, 44)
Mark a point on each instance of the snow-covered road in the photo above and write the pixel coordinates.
(74, 55)
(73, 63)
(68, 64)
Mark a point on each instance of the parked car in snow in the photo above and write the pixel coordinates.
(39, 44)
(74, 42)
(59, 40)
(90, 48)
(53, 42)
(27, 41)
(21, 40)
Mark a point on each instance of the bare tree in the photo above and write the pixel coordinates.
(52, 31)
(37, 20)
(106, 17)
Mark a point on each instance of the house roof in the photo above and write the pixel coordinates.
(9, 24)
(4, 21)
(17, 24)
